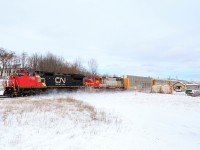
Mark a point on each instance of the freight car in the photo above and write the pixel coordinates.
(22, 83)
(137, 83)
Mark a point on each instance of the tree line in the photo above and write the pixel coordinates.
(48, 63)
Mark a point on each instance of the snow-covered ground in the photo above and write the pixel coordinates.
(100, 121)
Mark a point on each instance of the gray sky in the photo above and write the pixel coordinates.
(147, 37)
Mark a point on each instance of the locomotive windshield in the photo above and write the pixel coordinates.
(20, 73)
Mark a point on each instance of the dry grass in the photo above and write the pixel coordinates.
(50, 109)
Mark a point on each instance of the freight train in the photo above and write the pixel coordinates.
(23, 83)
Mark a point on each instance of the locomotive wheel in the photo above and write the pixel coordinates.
(31, 93)
(11, 95)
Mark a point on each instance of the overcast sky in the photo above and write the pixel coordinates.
(158, 38)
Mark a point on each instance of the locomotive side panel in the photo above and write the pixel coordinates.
(78, 80)
(64, 80)
(28, 81)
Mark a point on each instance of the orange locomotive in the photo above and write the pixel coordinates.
(93, 81)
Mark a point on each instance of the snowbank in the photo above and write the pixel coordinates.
(133, 121)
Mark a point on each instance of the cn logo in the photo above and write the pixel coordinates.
(59, 80)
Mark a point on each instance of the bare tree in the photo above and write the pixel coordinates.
(77, 66)
(33, 61)
(93, 66)
(24, 57)
(16, 62)
(48, 63)
(53, 63)
(5, 58)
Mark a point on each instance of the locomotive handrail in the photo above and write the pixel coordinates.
(5, 83)
(8, 82)
(17, 84)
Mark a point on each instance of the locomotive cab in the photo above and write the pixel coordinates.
(22, 72)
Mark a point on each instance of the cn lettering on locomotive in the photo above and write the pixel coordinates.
(60, 81)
